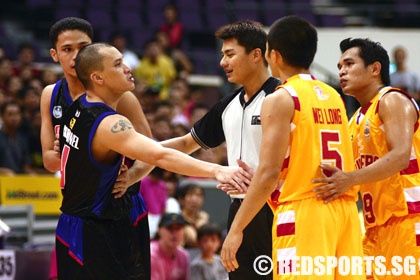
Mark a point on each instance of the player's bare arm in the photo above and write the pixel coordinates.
(188, 145)
(115, 134)
(399, 116)
(185, 144)
(130, 107)
(50, 156)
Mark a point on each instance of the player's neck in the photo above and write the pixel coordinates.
(365, 95)
(76, 88)
(109, 99)
(289, 71)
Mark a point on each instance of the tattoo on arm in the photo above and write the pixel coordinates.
(121, 125)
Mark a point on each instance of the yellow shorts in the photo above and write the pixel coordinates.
(396, 246)
(309, 236)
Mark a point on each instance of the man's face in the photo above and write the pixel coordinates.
(237, 64)
(12, 116)
(67, 47)
(116, 75)
(26, 56)
(172, 236)
(353, 73)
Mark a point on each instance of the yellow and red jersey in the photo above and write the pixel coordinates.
(398, 195)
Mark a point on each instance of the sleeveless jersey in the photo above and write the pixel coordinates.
(60, 101)
(399, 194)
(319, 134)
(86, 184)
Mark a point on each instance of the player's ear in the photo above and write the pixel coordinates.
(53, 53)
(96, 78)
(257, 53)
(376, 68)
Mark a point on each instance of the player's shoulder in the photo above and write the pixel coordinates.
(48, 89)
(46, 95)
(280, 97)
(115, 122)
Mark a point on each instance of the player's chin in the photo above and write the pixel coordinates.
(131, 86)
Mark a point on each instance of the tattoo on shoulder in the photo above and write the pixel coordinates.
(121, 125)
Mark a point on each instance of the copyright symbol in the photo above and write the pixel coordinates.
(263, 265)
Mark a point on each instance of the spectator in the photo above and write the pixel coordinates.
(48, 77)
(171, 183)
(169, 260)
(183, 65)
(194, 96)
(2, 52)
(14, 85)
(6, 72)
(29, 98)
(164, 108)
(36, 83)
(172, 26)
(161, 128)
(179, 130)
(191, 198)
(404, 78)
(26, 75)
(153, 190)
(208, 265)
(149, 98)
(29, 101)
(156, 69)
(14, 149)
(2, 101)
(179, 99)
(197, 112)
(26, 59)
(119, 40)
(35, 148)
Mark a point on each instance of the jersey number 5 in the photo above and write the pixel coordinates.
(331, 155)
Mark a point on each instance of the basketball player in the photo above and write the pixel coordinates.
(298, 134)
(386, 142)
(92, 239)
(67, 36)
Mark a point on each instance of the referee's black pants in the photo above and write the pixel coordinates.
(256, 242)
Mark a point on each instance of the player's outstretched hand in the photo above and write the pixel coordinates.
(233, 189)
(237, 177)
